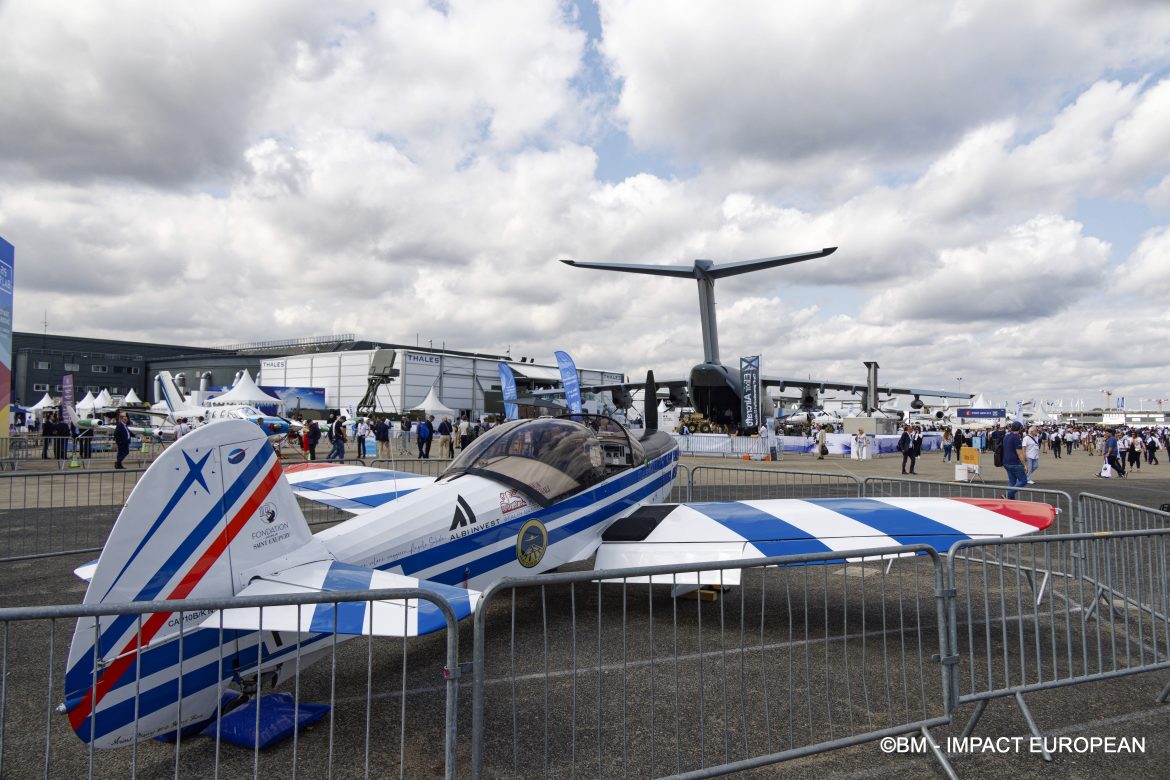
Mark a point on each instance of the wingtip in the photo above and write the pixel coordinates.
(568, 262)
(829, 250)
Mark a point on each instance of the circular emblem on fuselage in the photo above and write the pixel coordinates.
(235, 456)
(531, 543)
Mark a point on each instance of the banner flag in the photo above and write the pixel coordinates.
(749, 372)
(508, 385)
(66, 396)
(7, 265)
(570, 381)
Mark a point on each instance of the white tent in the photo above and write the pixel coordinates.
(132, 398)
(43, 404)
(432, 405)
(103, 400)
(85, 405)
(980, 402)
(245, 392)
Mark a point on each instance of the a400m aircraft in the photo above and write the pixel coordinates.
(217, 516)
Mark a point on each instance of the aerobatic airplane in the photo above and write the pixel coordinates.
(217, 516)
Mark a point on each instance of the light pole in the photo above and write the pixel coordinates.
(1108, 398)
(959, 379)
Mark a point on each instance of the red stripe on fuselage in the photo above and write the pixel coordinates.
(112, 673)
(293, 469)
(1032, 513)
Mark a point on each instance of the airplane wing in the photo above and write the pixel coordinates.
(400, 617)
(667, 534)
(353, 489)
(855, 387)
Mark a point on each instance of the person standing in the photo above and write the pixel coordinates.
(48, 425)
(425, 433)
(1032, 452)
(445, 431)
(361, 433)
(337, 435)
(1135, 450)
(948, 442)
(61, 435)
(404, 435)
(960, 442)
(1014, 459)
(314, 438)
(822, 448)
(464, 432)
(122, 440)
(906, 447)
(1112, 453)
(382, 436)
(916, 443)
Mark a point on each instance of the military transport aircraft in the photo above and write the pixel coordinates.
(217, 516)
(716, 389)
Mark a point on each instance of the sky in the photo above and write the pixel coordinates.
(995, 175)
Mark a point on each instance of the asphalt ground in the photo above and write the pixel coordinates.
(792, 657)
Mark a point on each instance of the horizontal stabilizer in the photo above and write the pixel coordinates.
(670, 534)
(405, 617)
(353, 489)
(85, 571)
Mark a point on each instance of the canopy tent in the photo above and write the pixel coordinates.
(43, 404)
(980, 403)
(432, 405)
(132, 398)
(85, 405)
(103, 400)
(245, 392)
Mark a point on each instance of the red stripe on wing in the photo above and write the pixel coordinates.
(1032, 513)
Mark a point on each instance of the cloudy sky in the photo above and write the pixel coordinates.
(995, 173)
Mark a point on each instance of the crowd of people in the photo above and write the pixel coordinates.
(393, 438)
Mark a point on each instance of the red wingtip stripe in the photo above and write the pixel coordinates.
(1032, 513)
(293, 469)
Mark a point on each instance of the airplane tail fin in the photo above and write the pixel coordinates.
(209, 509)
(171, 393)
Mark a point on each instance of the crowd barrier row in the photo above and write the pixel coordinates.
(721, 445)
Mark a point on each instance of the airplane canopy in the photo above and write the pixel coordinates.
(246, 392)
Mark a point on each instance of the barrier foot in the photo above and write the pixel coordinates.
(939, 755)
(1038, 592)
(1032, 726)
(980, 708)
(1162, 696)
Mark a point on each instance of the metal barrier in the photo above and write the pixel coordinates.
(1098, 513)
(98, 451)
(601, 673)
(430, 467)
(1071, 609)
(52, 513)
(375, 687)
(900, 487)
(721, 483)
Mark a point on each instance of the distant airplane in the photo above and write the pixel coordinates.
(715, 389)
(216, 516)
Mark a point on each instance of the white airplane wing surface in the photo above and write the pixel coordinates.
(668, 534)
(400, 617)
(353, 489)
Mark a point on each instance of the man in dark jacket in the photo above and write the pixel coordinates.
(122, 440)
(314, 436)
(426, 431)
(906, 447)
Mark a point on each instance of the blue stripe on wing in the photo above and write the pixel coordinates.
(355, 478)
(350, 616)
(767, 533)
(901, 524)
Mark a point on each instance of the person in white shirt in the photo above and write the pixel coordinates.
(182, 428)
(1032, 452)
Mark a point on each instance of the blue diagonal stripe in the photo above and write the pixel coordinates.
(350, 615)
(767, 533)
(360, 478)
(901, 524)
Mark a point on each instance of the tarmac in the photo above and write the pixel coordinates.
(543, 643)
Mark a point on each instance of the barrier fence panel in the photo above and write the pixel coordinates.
(89, 452)
(430, 467)
(722, 483)
(900, 487)
(392, 701)
(1071, 609)
(601, 674)
(1098, 513)
(60, 513)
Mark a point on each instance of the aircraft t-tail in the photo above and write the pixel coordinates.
(217, 516)
(716, 389)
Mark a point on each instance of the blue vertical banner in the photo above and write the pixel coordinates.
(66, 398)
(7, 275)
(508, 384)
(749, 374)
(570, 381)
